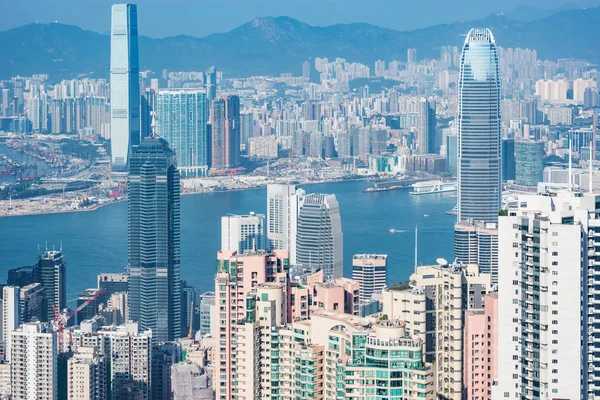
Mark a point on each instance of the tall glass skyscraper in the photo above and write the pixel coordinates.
(479, 154)
(319, 239)
(182, 119)
(154, 256)
(124, 85)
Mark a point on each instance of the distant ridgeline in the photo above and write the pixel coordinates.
(269, 46)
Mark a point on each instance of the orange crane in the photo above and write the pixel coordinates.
(60, 320)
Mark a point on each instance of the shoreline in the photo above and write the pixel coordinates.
(99, 206)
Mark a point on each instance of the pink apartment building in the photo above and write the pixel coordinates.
(481, 350)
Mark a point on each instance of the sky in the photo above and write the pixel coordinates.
(160, 18)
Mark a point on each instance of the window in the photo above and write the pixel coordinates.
(555, 253)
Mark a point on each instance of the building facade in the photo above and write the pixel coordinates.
(476, 242)
(182, 121)
(479, 155)
(370, 271)
(226, 135)
(87, 375)
(529, 162)
(243, 232)
(547, 283)
(282, 217)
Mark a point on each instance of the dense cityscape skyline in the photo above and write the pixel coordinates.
(276, 310)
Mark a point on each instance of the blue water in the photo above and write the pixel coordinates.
(96, 241)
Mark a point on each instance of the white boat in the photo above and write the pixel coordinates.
(392, 230)
(429, 187)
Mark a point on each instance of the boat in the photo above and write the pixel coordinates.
(429, 187)
(392, 230)
(425, 215)
(454, 211)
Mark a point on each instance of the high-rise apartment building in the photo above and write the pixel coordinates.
(154, 255)
(34, 355)
(243, 232)
(370, 271)
(319, 238)
(124, 85)
(164, 356)
(476, 242)
(182, 121)
(433, 309)
(87, 375)
(51, 272)
(479, 156)
(237, 276)
(11, 315)
(225, 125)
(547, 286)
(480, 354)
(282, 217)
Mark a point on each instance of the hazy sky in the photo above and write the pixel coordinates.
(159, 18)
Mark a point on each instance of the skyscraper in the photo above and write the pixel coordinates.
(243, 232)
(427, 135)
(225, 124)
(182, 121)
(479, 186)
(210, 84)
(319, 239)
(124, 84)
(282, 217)
(50, 271)
(154, 281)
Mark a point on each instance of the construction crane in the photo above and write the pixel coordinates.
(60, 320)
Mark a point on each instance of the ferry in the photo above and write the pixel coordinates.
(429, 187)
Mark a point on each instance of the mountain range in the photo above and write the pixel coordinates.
(269, 46)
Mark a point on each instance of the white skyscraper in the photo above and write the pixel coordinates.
(479, 161)
(34, 355)
(320, 240)
(547, 313)
(125, 93)
(10, 314)
(282, 217)
(243, 232)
